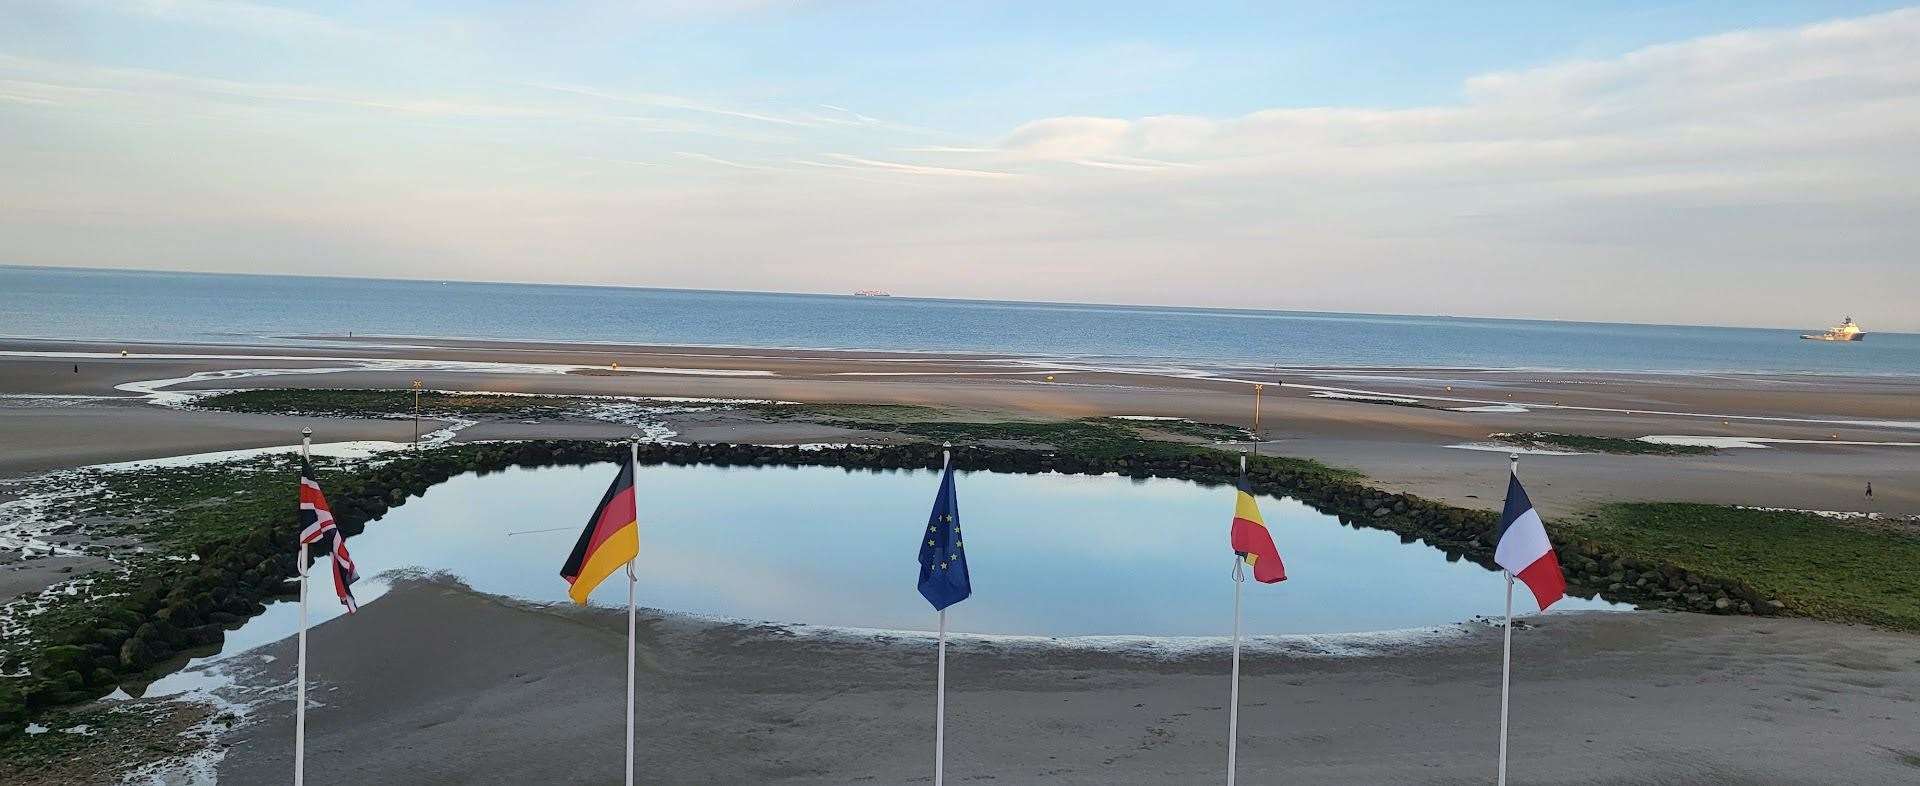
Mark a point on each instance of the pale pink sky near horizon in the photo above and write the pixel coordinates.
(1757, 175)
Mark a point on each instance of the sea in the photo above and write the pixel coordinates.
(152, 306)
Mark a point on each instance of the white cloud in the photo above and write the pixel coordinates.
(251, 18)
(625, 161)
(1070, 137)
(703, 157)
(125, 88)
(1823, 90)
(659, 101)
(848, 117)
(1124, 166)
(915, 169)
(1760, 176)
(130, 92)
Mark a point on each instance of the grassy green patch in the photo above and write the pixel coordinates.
(1211, 432)
(175, 513)
(1591, 444)
(383, 403)
(376, 403)
(60, 612)
(1384, 401)
(1102, 439)
(1307, 467)
(95, 744)
(1099, 437)
(175, 510)
(1086, 438)
(1817, 566)
(853, 415)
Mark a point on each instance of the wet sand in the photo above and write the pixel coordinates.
(26, 575)
(436, 684)
(40, 438)
(1400, 447)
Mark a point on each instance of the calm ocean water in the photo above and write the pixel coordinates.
(196, 307)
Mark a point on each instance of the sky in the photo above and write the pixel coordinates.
(1735, 163)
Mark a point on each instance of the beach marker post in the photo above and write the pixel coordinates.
(1256, 416)
(300, 679)
(416, 414)
(632, 580)
(1233, 700)
(1506, 657)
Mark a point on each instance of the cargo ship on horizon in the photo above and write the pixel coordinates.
(1845, 331)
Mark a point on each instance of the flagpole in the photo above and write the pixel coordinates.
(940, 698)
(300, 679)
(634, 457)
(1506, 657)
(940, 711)
(1233, 701)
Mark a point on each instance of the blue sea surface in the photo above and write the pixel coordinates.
(67, 303)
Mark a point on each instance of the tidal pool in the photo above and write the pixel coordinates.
(1058, 555)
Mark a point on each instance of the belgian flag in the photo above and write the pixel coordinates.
(612, 539)
(1250, 537)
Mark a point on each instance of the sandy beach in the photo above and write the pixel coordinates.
(437, 684)
(434, 683)
(1843, 432)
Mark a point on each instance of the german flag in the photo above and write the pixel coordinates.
(612, 539)
(1251, 539)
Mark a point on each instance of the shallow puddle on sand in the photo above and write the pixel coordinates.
(1054, 555)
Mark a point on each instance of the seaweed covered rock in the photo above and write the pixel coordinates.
(191, 603)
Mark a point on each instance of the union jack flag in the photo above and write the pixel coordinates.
(317, 530)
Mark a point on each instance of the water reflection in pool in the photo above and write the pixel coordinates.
(1050, 554)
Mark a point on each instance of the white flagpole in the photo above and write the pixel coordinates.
(940, 711)
(631, 581)
(300, 693)
(940, 698)
(1506, 657)
(1233, 701)
(634, 457)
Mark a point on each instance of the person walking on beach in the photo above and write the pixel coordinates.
(1869, 491)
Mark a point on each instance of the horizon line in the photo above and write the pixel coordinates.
(891, 296)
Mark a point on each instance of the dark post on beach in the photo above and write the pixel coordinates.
(416, 414)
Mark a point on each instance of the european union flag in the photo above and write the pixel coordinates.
(943, 557)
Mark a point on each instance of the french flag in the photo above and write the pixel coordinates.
(1523, 549)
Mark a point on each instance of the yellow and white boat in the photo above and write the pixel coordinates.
(1845, 331)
